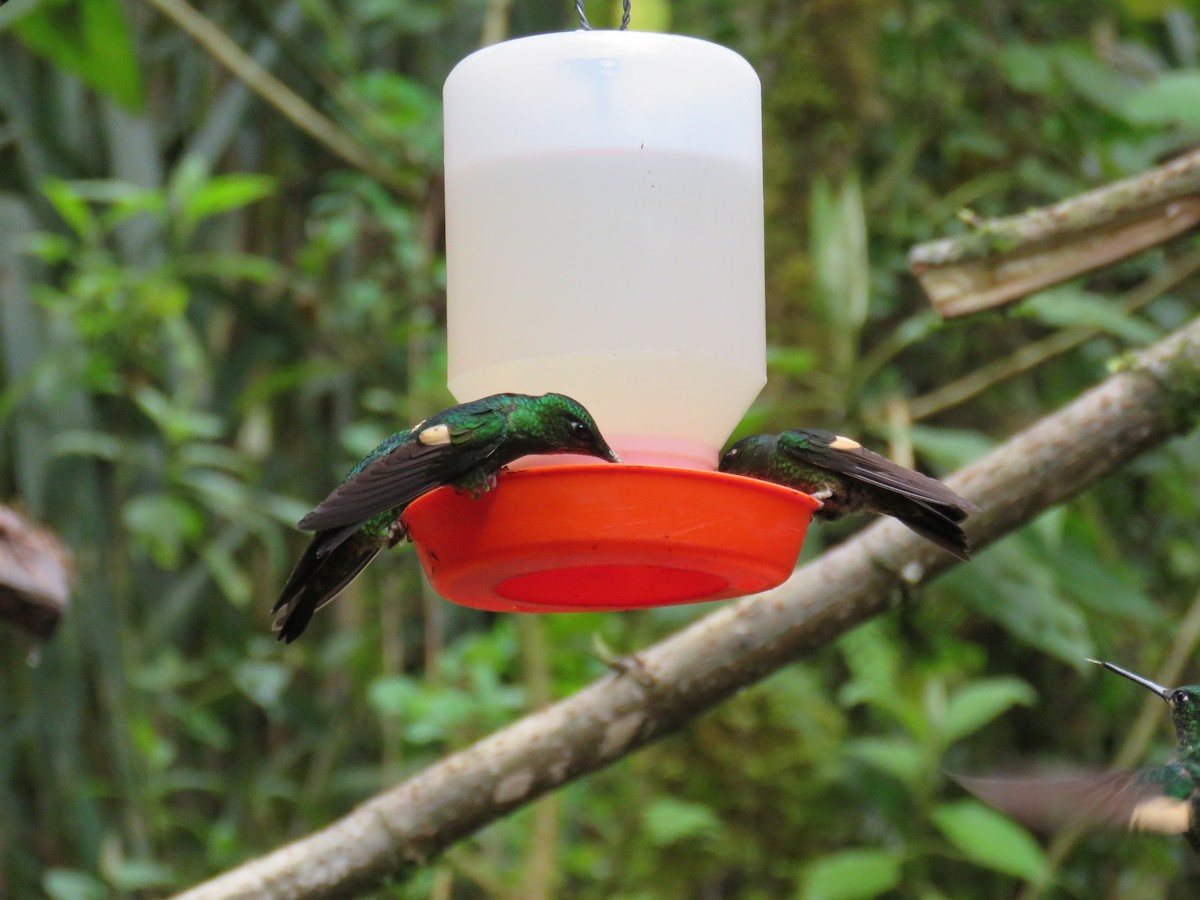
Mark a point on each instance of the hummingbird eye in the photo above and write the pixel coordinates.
(577, 427)
(1180, 698)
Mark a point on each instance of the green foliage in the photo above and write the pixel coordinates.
(987, 838)
(1069, 306)
(852, 875)
(1171, 99)
(90, 39)
(210, 320)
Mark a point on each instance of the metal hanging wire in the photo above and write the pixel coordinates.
(583, 21)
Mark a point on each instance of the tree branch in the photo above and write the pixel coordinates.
(1004, 259)
(1156, 396)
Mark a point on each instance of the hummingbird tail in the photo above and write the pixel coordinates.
(317, 579)
(933, 524)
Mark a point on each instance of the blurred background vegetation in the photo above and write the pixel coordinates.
(208, 316)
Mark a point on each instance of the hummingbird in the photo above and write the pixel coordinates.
(1163, 799)
(845, 477)
(464, 446)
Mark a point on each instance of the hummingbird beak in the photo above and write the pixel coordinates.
(1163, 692)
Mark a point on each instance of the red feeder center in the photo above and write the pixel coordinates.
(570, 538)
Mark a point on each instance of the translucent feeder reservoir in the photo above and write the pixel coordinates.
(604, 234)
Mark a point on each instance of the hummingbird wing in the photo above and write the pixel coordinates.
(440, 451)
(922, 503)
(826, 450)
(1137, 800)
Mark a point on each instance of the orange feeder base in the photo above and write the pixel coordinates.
(571, 538)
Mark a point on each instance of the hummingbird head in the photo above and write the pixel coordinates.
(748, 456)
(563, 425)
(1184, 703)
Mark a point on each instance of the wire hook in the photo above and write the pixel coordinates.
(583, 22)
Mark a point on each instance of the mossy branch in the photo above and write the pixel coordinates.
(1154, 396)
(1001, 260)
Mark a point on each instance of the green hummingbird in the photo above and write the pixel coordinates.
(1163, 799)
(465, 446)
(846, 477)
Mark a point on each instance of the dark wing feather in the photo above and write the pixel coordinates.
(1097, 800)
(395, 480)
(870, 468)
(411, 469)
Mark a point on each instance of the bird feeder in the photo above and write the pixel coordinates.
(604, 239)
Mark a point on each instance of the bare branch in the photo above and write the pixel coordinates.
(1004, 259)
(1156, 396)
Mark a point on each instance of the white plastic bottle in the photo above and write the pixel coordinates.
(605, 234)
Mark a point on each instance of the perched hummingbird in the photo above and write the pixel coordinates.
(464, 446)
(846, 477)
(1163, 799)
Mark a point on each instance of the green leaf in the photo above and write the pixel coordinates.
(976, 704)
(949, 447)
(841, 268)
(899, 757)
(793, 361)
(1014, 585)
(141, 875)
(206, 728)
(98, 444)
(430, 713)
(1098, 580)
(72, 884)
(71, 207)
(89, 38)
(1092, 79)
(872, 658)
(852, 875)
(1028, 68)
(1173, 98)
(233, 267)
(392, 695)
(178, 422)
(165, 524)
(988, 839)
(263, 682)
(668, 820)
(225, 193)
(1071, 306)
(230, 577)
